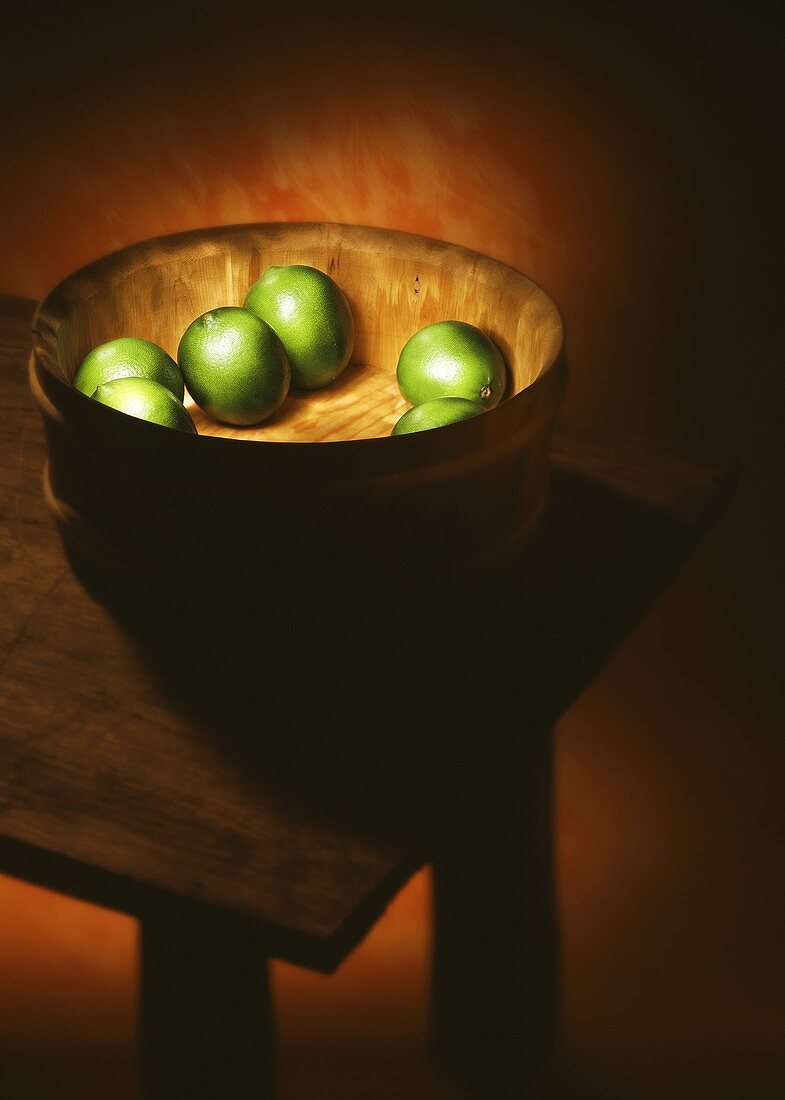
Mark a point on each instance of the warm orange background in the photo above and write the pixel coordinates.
(623, 166)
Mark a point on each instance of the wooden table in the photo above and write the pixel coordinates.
(258, 782)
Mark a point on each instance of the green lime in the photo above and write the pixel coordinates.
(436, 413)
(312, 319)
(234, 366)
(451, 359)
(128, 358)
(146, 400)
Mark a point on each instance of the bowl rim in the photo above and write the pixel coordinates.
(510, 413)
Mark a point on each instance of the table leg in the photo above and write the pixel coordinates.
(495, 1006)
(205, 1019)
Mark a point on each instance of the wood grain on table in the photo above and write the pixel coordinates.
(110, 790)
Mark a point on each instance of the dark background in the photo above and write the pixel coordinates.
(627, 161)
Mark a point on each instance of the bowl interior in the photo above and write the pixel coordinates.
(395, 284)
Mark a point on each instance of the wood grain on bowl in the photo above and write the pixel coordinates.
(130, 491)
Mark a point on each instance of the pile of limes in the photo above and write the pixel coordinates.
(294, 328)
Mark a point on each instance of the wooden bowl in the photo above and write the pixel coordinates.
(321, 485)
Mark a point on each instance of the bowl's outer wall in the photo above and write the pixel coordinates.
(132, 493)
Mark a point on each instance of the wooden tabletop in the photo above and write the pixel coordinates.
(114, 789)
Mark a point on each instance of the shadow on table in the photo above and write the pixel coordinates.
(404, 700)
